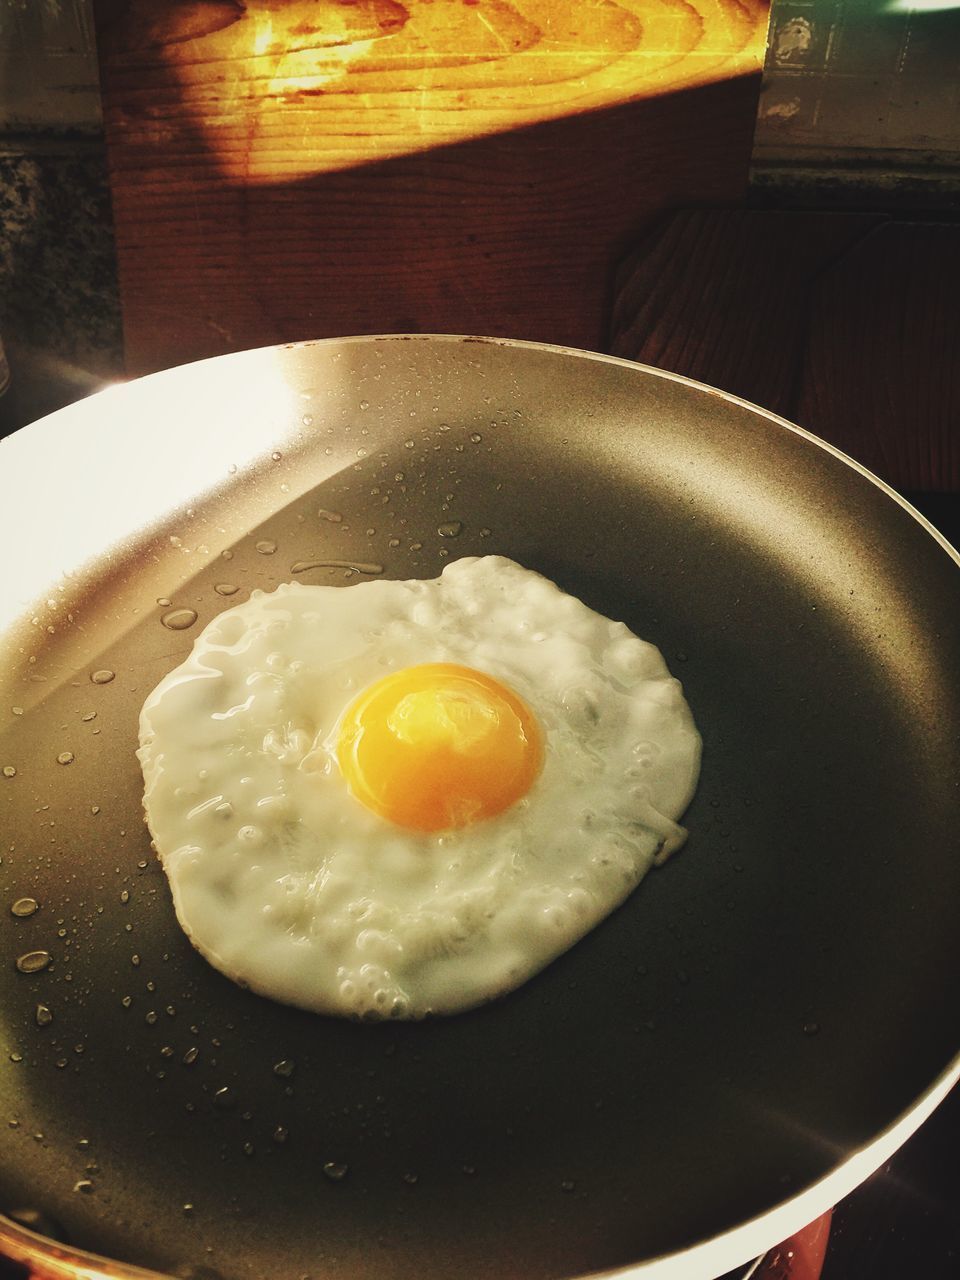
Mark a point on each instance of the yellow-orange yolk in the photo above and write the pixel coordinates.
(439, 746)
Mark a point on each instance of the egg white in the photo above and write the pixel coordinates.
(290, 886)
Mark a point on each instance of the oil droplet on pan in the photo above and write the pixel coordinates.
(9, 771)
(302, 566)
(332, 517)
(335, 1171)
(43, 1016)
(179, 619)
(34, 961)
(451, 529)
(225, 589)
(65, 757)
(103, 676)
(25, 907)
(266, 546)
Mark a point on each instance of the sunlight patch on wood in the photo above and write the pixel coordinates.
(280, 91)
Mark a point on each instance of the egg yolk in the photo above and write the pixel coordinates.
(439, 746)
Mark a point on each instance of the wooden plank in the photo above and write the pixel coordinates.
(284, 171)
(848, 324)
(881, 377)
(723, 296)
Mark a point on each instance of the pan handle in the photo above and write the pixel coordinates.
(800, 1257)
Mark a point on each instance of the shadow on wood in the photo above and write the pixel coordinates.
(511, 233)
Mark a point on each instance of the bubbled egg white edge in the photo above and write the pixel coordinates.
(674, 835)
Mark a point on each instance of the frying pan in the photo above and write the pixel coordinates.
(750, 1035)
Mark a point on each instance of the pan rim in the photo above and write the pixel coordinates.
(745, 1241)
(113, 388)
(721, 1253)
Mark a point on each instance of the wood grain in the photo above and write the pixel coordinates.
(844, 323)
(724, 296)
(290, 170)
(285, 90)
(881, 377)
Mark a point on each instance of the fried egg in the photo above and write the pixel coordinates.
(394, 799)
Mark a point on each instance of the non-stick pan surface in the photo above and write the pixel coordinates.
(767, 1004)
